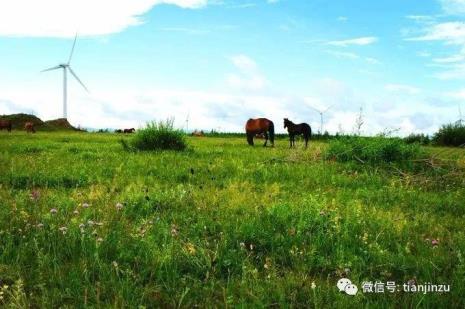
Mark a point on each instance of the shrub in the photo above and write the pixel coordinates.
(372, 150)
(158, 136)
(452, 134)
(421, 139)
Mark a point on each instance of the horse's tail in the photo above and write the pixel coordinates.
(271, 130)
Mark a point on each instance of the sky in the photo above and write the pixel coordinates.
(216, 63)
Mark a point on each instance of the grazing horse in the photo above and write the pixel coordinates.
(29, 127)
(5, 124)
(297, 129)
(257, 126)
(131, 130)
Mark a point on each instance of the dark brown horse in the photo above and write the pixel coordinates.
(29, 127)
(257, 126)
(297, 129)
(5, 124)
(131, 130)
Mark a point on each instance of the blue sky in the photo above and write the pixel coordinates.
(222, 62)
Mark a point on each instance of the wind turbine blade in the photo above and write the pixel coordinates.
(327, 109)
(72, 49)
(77, 78)
(317, 110)
(50, 69)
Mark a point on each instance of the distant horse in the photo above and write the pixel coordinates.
(5, 124)
(297, 129)
(29, 127)
(257, 126)
(131, 130)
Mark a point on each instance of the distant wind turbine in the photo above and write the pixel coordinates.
(321, 112)
(187, 121)
(66, 67)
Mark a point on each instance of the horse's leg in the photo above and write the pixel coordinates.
(290, 140)
(306, 140)
(250, 139)
(266, 138)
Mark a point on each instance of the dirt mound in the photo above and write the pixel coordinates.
(60, 124)
(18, 121)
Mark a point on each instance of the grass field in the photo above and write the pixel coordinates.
(83, 222)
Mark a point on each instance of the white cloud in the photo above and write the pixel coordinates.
(342, 19)
(352, 56)
(59, 18)
(249, 76)
(344, 55)
(356, 41)
(450, 59)
(402, 89)
(453, 7)
(449, 32)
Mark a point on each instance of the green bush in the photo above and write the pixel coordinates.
(452, 134)
(421, 139)
(158, 136)
(372, 150)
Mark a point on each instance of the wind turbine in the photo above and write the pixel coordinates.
(66, 67)
(321, 112)
(187, 121)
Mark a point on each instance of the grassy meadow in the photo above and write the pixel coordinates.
(85, 223)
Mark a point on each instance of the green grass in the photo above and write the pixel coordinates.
(223, 224)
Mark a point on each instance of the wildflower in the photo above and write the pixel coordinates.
(76, 212)
(313, 286)
(190, 248)
(115, 264)
(174, 230)
(40, 225)
(435, 242)
(267, 263)
(85, 205)
(63, 229)
(242, 245)
(90, 222)
(100, 239)
(5, 287)
(119, 206)
(53, 211)
(82, 225)
(35, 195)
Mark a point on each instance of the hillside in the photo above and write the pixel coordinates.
(18, 121)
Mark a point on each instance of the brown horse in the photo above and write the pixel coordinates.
(29, 127)
(297, 129)
(257, 126)
(131, 130)
(5, 124)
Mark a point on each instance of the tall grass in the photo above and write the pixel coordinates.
(159, 135)
(373, 150)
(222, 226)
